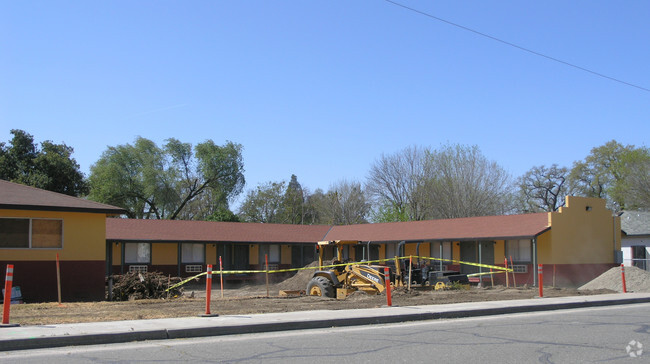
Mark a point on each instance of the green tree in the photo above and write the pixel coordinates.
(604, 172)
(51, 167)
(637, 192)
(163, 183)
(264, 204)
(293, 203)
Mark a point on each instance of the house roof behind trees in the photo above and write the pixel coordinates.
(14, 196)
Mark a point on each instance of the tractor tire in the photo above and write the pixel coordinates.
(320, 286)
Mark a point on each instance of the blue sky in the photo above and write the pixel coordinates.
(321, 89)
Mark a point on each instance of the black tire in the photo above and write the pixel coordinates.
(320, 286)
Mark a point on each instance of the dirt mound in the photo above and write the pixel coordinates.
(300, 280)
(636, 280)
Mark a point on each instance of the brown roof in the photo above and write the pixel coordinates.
(20, 197)
(209, 231)
(473, 228)
(470, 228)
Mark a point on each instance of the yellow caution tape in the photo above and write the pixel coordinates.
(499, 269)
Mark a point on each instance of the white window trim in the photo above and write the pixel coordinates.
(30, 232)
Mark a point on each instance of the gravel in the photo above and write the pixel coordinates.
(636, 280)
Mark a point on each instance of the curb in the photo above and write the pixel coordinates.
(292, 324)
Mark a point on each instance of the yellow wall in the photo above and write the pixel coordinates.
(164, 254)
(579, 236)
(211, 256)
(84, 237)
(117, 253)
(254, 254)
(499, 251)
(285, 254)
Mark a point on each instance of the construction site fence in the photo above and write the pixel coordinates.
(495, 269)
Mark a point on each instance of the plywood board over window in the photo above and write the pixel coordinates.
(47, 233)
(31, 233)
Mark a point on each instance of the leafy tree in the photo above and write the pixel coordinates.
(51, 167)
(164, 183)
(604, 172)
(461, 182)
(293, 204)
(637, 192)
(543, 189)
(264, 204)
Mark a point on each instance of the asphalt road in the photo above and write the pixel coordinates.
(565, 336)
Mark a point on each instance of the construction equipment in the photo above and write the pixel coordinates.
(343, 279)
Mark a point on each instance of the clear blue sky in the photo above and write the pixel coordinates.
(321, 89)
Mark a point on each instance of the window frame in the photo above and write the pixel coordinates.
(30, 233)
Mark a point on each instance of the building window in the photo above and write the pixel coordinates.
(31, 233)
(520, 251)
(135, 253)
(274, 254)
(192, 253)
(446, 250)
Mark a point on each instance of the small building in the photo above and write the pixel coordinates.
(576, 243)
(36, 226)
(182, 248)
(635, 243)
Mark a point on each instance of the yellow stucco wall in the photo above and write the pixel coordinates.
(583, 231)
(254, 254)
(285, 254)
(211, 256)
(164, 254)
(499, 252)
(84, 237)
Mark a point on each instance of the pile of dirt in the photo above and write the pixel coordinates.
(636, 280)
(300, 280)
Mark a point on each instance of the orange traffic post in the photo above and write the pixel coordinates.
(208, 292)
(9, 281)
(389, 300)
(540, 276)
(623, 278)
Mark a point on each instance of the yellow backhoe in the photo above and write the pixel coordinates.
(342, 280)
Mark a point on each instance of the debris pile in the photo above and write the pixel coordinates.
(136, 286)
(300, 280)
(636, 280)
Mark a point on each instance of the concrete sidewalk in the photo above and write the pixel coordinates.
(44, 336)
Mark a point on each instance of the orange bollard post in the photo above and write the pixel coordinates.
(540, 276)
(623, 278)
(9, 280)
(389, 299)
(208, 292)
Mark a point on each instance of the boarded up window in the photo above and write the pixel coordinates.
(14, 233)
(47, 233)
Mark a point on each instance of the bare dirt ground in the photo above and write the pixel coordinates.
(252, 299)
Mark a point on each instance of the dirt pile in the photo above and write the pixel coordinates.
(300, 280)
(636, 280)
